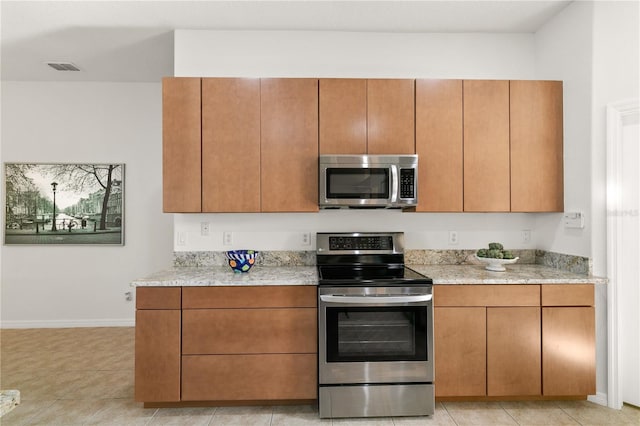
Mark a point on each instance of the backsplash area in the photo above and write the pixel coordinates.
(571, 263)
(264, 258)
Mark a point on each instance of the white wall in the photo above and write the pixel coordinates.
(50, 286)
(284, 231)
(202, 53)
(352, 54)
(616, 71)
(594, 48)
(563, 52)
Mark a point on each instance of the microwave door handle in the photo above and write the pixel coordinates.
(394, 183)
(372, 300)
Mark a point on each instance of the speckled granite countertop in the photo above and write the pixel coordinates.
(515, 274)
(307, 275)
(224, 276)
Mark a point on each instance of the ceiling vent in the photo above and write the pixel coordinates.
(63, 66)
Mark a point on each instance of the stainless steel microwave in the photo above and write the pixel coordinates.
(361, 181)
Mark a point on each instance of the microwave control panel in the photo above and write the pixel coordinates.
(407, 183)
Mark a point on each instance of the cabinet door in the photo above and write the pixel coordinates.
(157, 356)
(391, 116)
(536, 146)
(439, 145)
(181, 145)
(460, 351)
(289, 145)
(343, 116)
(486, 146)
(568, 351)
(230, 145)
(513, 351)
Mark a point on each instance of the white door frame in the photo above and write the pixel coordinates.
(616, 114)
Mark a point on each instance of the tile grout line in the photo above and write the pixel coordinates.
(152, 416)
(448, 413)
(570, 416)
(508, 413)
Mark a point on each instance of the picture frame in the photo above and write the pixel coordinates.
(64, 203)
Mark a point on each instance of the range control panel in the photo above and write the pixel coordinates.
(377, 242)
(346, 243)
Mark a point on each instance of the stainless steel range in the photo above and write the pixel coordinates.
(375, 319)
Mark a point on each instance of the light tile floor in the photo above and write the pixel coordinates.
(84, 376)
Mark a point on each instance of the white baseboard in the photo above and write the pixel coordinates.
(599, 398)
(69, 323)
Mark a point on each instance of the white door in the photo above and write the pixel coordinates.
(623, 252)
(629, 281)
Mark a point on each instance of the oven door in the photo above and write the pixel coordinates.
(375, 335)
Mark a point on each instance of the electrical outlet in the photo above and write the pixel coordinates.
(182, 239)
(306, 238)
(204, 229)
(453, 237)
(128, 296)
(227, 238)
(526, 236)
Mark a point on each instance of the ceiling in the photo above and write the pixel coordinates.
(132, 41)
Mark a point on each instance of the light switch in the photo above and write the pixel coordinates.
(573, 219)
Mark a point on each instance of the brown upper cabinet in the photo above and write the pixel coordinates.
(439, 145)
(181, 145)
(343, 116)
(486, 146)
(536, 146)
(374, 116)
(230, 145)
(489, 145)
(289, 144)
(240, 145)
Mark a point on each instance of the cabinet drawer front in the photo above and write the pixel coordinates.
(158, 297)
(242, 331)
(249, 377)
(568, 295)
(292, 296)
(486, 295)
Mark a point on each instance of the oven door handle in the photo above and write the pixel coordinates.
(372, 300)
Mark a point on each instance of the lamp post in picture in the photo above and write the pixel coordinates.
(54, 185)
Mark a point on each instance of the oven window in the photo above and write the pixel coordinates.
(356, 334)
(358, 183)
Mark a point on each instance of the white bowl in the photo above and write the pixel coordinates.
(496, 265)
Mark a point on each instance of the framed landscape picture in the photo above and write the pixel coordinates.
(64, 203)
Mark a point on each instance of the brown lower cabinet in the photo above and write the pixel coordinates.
(157, 344)
(226, 344)
(568, 340)
(513, 351)
(460, 346)
(514, 340)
